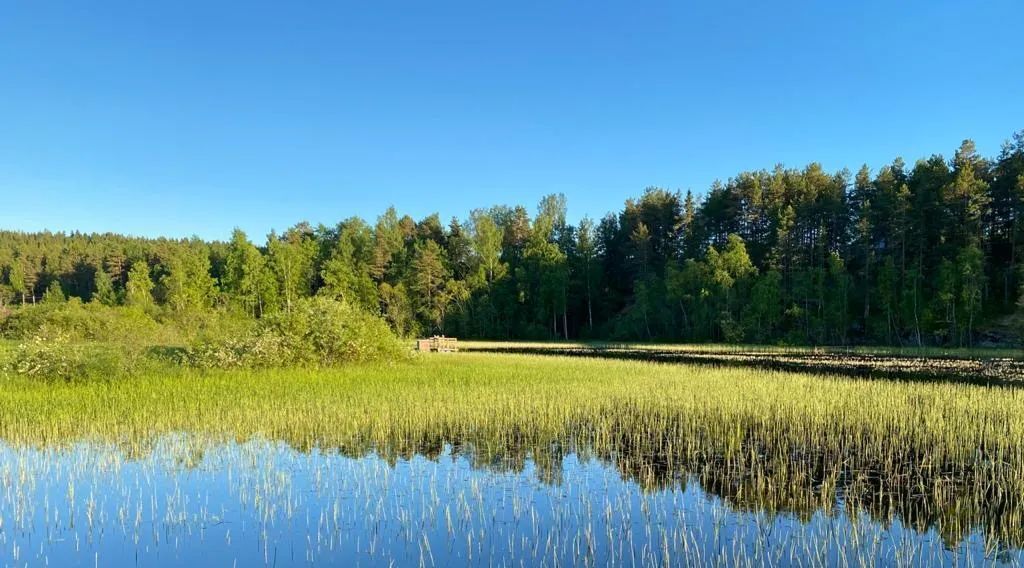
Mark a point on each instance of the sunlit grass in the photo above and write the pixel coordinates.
(940, 454)
(542, 398)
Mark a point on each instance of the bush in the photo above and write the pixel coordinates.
(253, 350)
(316, 332)
(195, 325)
(78, 322)
(52, 356)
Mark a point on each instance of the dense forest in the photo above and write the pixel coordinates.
(928, 254)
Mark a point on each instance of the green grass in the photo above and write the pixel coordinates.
(470, 394)
(763, 440)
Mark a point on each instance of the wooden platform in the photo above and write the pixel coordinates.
(438, 344)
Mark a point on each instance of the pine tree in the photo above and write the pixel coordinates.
(387, 242)
(428, 283)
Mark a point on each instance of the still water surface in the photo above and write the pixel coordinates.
(259, 502)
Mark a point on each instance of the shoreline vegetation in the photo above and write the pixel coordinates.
(928, 254)
(71, 340)
(705, 310)
(933, 455)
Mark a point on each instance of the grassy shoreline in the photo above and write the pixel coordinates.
(457, 386)
(766, 440)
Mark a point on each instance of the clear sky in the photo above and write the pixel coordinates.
(177, 118)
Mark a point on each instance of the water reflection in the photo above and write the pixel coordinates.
(188, 501)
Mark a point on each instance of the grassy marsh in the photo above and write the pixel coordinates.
(936, 457)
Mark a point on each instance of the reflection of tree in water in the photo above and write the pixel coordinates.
(759, 467)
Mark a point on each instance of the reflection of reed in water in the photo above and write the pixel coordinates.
(749, 473)
(752, 470)
(933, 455)
(752, 474)
(756, 474)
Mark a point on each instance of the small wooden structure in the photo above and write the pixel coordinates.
(438, 343)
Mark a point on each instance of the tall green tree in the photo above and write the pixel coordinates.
(54, 293)
(188, 284)
(587, 266)
(16, 277)
(246, 278)
(429, 277)
(103, 289)
(290, 259)
(346, 273)
(139, 289)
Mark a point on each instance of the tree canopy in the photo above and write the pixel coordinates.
(928, 253)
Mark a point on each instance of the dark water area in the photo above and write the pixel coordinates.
(188, 502)
(982, 371)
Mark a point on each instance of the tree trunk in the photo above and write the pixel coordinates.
(686, 317)
(590, 310)
(867, 290)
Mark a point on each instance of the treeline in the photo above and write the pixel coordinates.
(928, 254)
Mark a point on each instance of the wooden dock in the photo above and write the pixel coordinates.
(438, 344)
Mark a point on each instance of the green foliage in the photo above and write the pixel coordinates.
(290, 259)
(54, 294)
(139, 290)
(764, 312)
(85, 322)
(315, 332)
(246, 277)
(188, 285)
(103, 289)
(346, 273)
(397, 309)
(16, 279)
(429, 285)
(928, 253)
(52, 356)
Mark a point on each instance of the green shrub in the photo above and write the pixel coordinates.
(205, 325)
(125, 325)
(255, 349)
(45, 358)
(52, 356)
(78, 322)
(315, 332)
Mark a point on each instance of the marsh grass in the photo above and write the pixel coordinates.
(944, 456)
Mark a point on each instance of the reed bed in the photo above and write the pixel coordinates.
(942, 457)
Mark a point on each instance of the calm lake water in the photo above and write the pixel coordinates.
(258, 503)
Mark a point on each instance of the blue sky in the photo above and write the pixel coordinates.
(180, 118)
